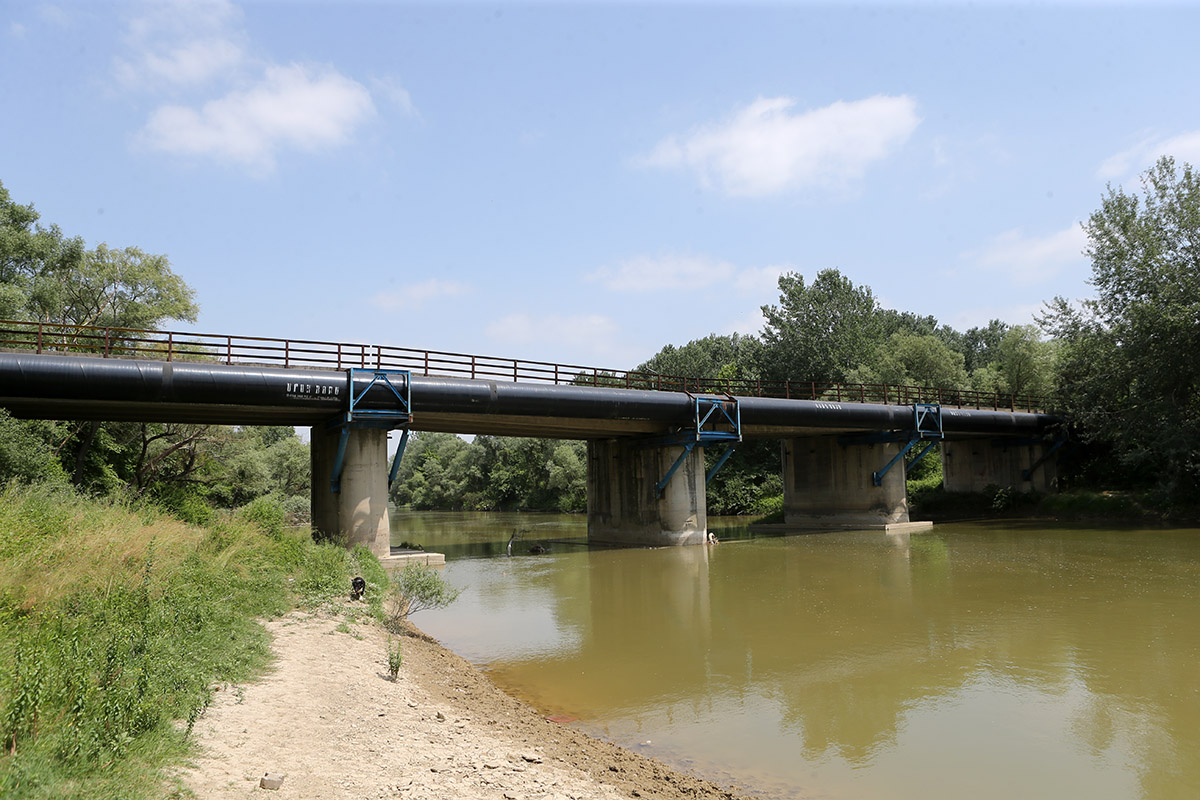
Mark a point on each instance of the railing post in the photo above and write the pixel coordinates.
(170, 344)
(787, 389)
(378, 357)
(426, 362)
(107, 334)
(287, 353)
(515, 371)
(39, 339)
(228, 349)
(472, 367)
(339, 355)
(595, 376)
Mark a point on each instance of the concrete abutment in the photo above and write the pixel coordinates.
(358, 513)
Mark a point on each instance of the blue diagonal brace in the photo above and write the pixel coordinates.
(720, 463)
(335, 482)
(399, 455)
(1027, 474)
(877, 477)
(923, 453)
(662, 485)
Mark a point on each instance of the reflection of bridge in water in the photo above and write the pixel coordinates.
(843, 444)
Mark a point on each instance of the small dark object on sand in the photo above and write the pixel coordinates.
(357, 587)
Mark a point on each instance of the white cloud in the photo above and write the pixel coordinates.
(1032, 259)
(765, 148)
(390, 89)
(651, 273)
(54, 14)
(230, 105)
(759, 280)
(292, 107)
(683, 273)
(751, 322)
(413, 296)
(191, 63)
(17, 30)
(980, 316)
(182, 44)
(1126, 164)
(588, 338)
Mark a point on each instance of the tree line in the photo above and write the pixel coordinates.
(1120, 366)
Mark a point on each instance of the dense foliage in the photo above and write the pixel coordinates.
(1128, 375)
(442, 471)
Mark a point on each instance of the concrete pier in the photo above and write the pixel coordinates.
(358, 513)
(624, 506)
(828, 485)
(972, 465)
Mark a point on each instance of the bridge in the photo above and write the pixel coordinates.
(843, 445)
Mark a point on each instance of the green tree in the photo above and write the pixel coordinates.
(981, 345)
(911, 359)
(731, 358)
(820, 332)
(1127, 368)
(33, 259)
(1026, 361)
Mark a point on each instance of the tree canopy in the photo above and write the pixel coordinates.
(1128, 374)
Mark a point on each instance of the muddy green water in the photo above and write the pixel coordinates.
(994, 660)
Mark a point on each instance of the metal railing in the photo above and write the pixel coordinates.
(305, 353)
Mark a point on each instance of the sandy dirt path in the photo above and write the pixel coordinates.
(328, 718)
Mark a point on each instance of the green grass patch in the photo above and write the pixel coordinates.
(117, 619)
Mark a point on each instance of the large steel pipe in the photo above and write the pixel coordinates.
(80, 387)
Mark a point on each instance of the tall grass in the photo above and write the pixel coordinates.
(115, 621)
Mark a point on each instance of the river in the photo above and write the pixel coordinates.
(981, 660)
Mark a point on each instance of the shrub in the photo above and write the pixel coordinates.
(417, 588)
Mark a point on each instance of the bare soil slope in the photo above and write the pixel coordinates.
(330, 720)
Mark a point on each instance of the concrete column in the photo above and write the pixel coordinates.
(972, 465)
(826, 484)
(623, 505)
(358, 513)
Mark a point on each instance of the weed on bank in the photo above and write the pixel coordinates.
(116, 620)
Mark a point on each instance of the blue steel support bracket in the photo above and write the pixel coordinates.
(378, 418)
(396, 460)
(877, 477)
(717, 420)
(927, 425)
(1027, 474)
(335, 480)
(720, 463)
(661, 486)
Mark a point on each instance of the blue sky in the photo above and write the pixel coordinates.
(585, 183)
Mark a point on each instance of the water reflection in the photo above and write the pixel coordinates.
(982, 660)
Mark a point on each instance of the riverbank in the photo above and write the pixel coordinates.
(328, 718)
